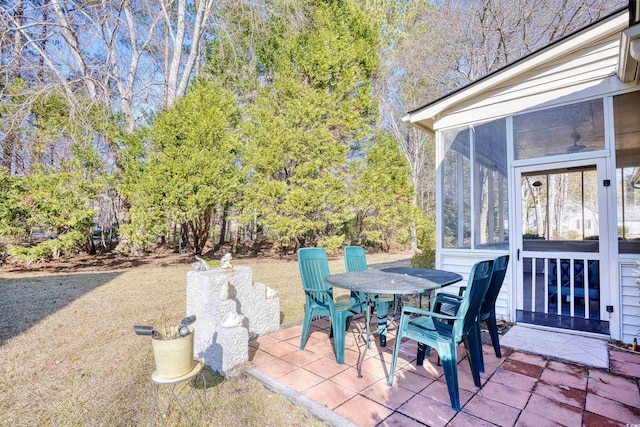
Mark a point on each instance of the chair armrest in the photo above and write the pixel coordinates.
(415, 310)
(454, 299)
(327, 294)
(452, 302)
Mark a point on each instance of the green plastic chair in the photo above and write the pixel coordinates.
(449, 303)
(355, 259)
(432, 329)
(319, 302)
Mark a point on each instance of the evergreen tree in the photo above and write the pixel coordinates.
(190, 168)
(315, 104)
(381, 194)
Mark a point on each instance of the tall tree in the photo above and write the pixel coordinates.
(116, 62)
(381, 194)
(190, 170)
(315, 103)
(121, 53)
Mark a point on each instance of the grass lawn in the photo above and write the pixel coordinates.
(70, 356)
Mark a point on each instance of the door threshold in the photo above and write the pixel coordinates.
(563, 323)
(594, 335)
(558, 344)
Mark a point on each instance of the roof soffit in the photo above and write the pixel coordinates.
(430, 113)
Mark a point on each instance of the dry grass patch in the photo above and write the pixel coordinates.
(70, 356)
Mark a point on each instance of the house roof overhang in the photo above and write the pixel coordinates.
(425, 117)
(629, 56)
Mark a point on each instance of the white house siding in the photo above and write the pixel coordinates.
(585, 73)
(630, 301)
(586, 70)
(461, 262)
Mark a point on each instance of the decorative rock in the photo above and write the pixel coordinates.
(232, 320)
(224, 292)
(225, 262)
(271, 294)
(201, 265)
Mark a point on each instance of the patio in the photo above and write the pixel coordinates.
(521, 389)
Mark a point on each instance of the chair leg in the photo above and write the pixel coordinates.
(422, 349)
(394, 358)
(480, 353)
(450, 367)
(493, 331)
(382, 310)
(306, 323)
(472, 354)
(477, 342)
(339, 334)
(397, 305)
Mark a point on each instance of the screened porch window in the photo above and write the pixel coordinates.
(568, 129)
(456, 188)
(491, 210)
(478, 151)
(627, 134)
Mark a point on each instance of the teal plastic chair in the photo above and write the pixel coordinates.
(432, 329)
(319, 302)
(355, 259)
(448, 303)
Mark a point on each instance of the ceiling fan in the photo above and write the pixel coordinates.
(575, 148)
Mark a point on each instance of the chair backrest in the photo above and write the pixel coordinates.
(355, 258)
(497, 277)
(472, 299)
(314, 267)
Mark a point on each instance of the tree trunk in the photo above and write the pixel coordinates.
(11, 138)
(200, 227)
(7, 152)
(223, 226)
(414, 203)
(91, 248)
(184, 236)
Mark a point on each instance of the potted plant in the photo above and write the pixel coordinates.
(172, 347)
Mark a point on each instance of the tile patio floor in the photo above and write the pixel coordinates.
(521, 389)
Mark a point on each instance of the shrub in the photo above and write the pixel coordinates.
(331, 243)
(426, 259)
(49, 248)
(532, 236)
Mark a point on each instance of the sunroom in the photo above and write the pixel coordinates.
(541, 160)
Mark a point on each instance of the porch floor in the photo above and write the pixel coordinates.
(556, 345)
(520, 389)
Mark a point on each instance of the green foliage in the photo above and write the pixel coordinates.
(191, 166)
(61, 201)
(13, 211)
(426, 228)
(426, 259)
(531, 235)
(316, 101)
(332, 243)
(61, 172)
(381, 194)
(49, 248)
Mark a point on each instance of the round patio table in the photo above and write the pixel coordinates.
(390, 280)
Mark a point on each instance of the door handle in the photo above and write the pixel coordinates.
(518, 255)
